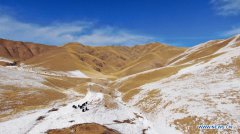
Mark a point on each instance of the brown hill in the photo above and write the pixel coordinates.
(21, 50)
(149, 56)
(86, 128)
(61, 59)
(203, 51)
(123, 60)
(107, 60)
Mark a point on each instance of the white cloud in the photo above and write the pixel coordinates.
(109, 35)
(60, 33)
(232, 32)
(227, 7)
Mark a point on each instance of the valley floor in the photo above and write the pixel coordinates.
(124, 119)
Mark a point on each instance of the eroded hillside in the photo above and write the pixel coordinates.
(114, 61)
(21, 50)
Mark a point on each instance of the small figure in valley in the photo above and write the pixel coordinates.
(80, 106)
(84, 104)
(74, 106)
(84, 110)
(12, 64)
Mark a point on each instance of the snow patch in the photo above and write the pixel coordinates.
(6, 60)
(77, 74)
(20, 78)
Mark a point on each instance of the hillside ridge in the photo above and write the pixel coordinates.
(116, 61)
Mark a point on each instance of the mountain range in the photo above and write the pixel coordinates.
(151, 88)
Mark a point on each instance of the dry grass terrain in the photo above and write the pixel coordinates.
(109, 102)
(15, 99)
(208, 49)
(2, 63)
(63, 83)
(101, 61)
(150, 102)
(237, 64)
(190, 125)
(22, 50)
(152, 56)
(130, 94)
(141, 79)
(86, 128)
(108, 60)
(106, 65)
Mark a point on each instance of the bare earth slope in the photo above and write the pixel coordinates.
(21, 50)
(109, 60)
(87, 128)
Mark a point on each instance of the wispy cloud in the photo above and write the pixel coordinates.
(59, 33)
(227, 7)
(232, 32)
(110, 35)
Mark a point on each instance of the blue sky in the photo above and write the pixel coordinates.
(119, 22)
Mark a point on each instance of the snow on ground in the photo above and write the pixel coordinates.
(27, 76)
(19, 78)
(5, 60)
(44, 71)
(198, 47)
(227, 48)
(97, 113)
(77, 74)
(20, 125)
(205, 89)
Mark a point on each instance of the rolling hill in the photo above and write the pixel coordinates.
(21, 50)
(150, 89)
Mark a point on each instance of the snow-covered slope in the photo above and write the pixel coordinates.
(207, 91)
(23, 87)
(122, 118)
(27, 76)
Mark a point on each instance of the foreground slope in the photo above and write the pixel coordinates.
(24, 88)
(191, 91)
